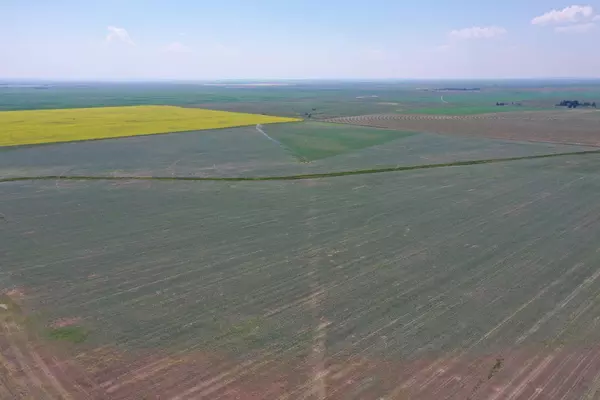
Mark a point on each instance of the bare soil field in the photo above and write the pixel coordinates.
(580, 127)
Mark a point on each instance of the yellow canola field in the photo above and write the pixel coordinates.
(66, 125)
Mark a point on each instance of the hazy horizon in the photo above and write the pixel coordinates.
(300, 80)
(268, 40)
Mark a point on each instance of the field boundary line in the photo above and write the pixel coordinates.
(292, 177)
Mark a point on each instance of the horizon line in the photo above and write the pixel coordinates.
(271, 80)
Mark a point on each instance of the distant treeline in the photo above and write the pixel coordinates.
(575, 104)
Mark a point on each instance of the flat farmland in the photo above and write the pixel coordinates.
(248, 152)
(224, 152)
(473, 282)
(561, 126)
(298, 99)
(66, 125)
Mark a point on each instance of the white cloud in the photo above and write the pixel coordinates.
(118, 35)
(578, 28)
(596, 18)
(569, 14)
(177, 47)
(478, 32)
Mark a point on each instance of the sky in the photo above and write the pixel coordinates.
(288, 39)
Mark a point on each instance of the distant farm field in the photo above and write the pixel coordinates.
(66, 125)
(246, 152)
(581, 127)
(460, 109)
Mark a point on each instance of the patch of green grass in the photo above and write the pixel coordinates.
(311, 141)
(73, 334)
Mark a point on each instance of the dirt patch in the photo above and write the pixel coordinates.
(35, 368)
(189, 375)
(29, 370)
(515, 374)
(109, 373)
(15, 293)
(581, 127)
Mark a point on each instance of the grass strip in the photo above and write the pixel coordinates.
(293, 177)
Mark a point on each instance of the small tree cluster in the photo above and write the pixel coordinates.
(576, 103)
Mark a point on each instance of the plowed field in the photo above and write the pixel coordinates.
(567, 127)
(476, 282)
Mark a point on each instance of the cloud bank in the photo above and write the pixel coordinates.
(574, 13)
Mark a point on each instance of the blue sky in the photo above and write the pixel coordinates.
(268, 39)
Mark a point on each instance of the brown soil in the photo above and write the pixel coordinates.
(33, 368)
(580, 127)
(16, 292)
(28, 371)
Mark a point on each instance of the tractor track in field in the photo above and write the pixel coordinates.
(102, 374)
(290, 177)
(260, 129)
(28, 370)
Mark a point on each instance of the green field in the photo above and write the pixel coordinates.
(311, 141)
(369, 224)
(228, 268)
